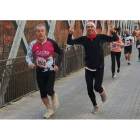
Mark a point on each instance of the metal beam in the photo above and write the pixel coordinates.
(17, 40)
(108, 28)
(47, 23)
(96, 23)
(84, 25)
(23, 39)
(118, 23)
(12, 55)
(103, 24)
(52, 29)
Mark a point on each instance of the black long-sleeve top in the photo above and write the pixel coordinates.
(94, 56)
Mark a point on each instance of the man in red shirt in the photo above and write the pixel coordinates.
(43, 49)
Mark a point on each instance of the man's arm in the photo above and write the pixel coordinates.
(71, 41)
(112, 38)
(29, 57)
(132, 39)
(107, 38)
(58, 51)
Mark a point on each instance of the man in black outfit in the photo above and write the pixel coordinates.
(94, 59)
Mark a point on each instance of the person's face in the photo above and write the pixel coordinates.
(90, 29)
(40, 33)
(127, 31)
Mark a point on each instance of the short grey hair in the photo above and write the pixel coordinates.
(39, 25)
(127, 30)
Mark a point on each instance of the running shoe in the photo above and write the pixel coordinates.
(128, 63)
(113, 75)
(48, 114)
(95, 110)
(103, 95)
(55, 102)
(118, 70)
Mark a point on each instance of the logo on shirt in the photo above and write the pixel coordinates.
(42, 53)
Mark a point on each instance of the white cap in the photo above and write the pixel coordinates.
(91, 22)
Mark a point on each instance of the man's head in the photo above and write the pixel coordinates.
(90, 28)
(127, 31)
(40, 31)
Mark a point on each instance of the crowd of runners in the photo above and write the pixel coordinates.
(40, 55)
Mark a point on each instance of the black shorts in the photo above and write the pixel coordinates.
(128, 49)
(45, 81)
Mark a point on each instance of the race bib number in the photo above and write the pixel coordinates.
(138, 46)
(41, 62)
(113, 46)
(128, 42)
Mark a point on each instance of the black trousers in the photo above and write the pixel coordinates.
(139, 53)
(128, 49)
(98, 77)
(45, 81)
(114, 55)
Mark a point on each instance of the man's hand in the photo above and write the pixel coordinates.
(55, 68)
(112, 29)
(32, 66)
(114, 43)
(71, 29)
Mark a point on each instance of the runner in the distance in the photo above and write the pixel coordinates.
(115, 49)
(128, 41)
(137, 32)
(43, 49)
(94, 58)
